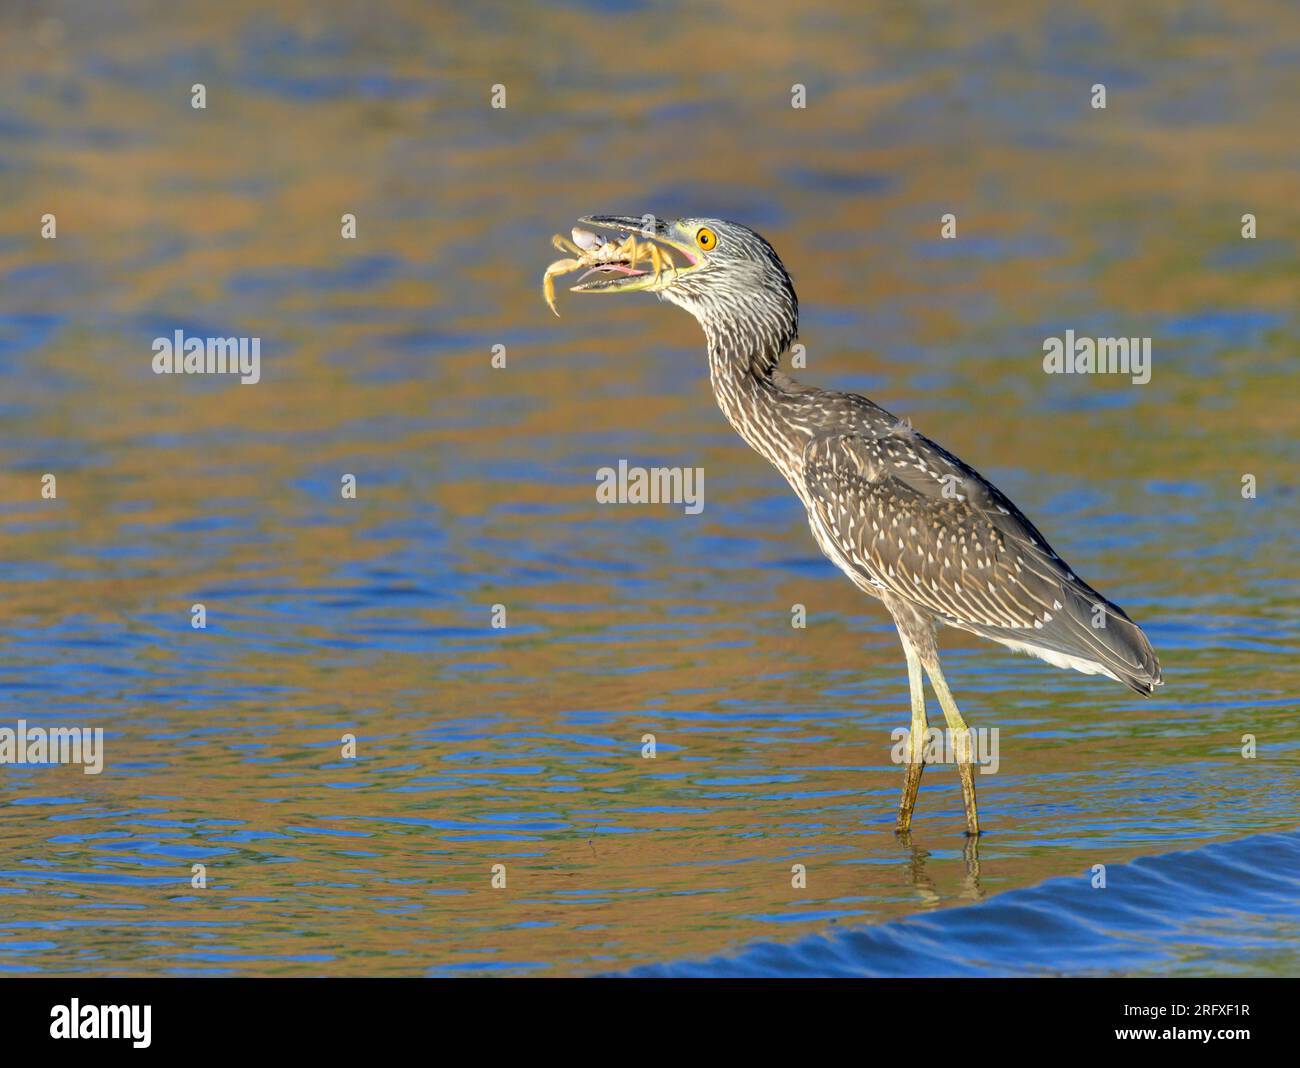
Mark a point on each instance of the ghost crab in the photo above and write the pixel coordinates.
(605, 257)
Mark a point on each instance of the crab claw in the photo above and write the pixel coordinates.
(586, 240)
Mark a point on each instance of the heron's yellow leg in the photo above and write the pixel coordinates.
(961, 742)
(915, 741)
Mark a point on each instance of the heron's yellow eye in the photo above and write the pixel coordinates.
(705, 238)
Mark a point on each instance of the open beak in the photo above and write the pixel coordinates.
(640, 276)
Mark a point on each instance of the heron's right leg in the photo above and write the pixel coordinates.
(960, 737)
(915, 741)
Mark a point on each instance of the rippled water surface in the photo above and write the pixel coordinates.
(1070, 926)
(522, 746)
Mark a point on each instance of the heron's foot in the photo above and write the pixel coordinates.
(911, 785)
(967, 773)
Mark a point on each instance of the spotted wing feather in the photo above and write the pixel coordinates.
(916, 521)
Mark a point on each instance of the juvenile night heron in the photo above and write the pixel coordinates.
(906, 520)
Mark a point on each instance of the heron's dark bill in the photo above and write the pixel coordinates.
(623, 276)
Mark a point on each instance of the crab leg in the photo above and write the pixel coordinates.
(657, 261)
(548, 283)
(548, 291)
(565, 245)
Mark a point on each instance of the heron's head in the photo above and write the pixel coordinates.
(723, 273)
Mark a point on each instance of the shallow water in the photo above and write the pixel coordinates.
(1085, 926)
(522, 746)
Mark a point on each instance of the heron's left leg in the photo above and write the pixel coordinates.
(960, 738)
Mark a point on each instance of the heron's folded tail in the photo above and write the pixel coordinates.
(1091, 635)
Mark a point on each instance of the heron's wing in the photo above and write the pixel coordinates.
(918, 522)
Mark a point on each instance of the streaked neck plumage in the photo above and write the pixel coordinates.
(765, 407)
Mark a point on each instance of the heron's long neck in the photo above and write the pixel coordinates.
(763, 405)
